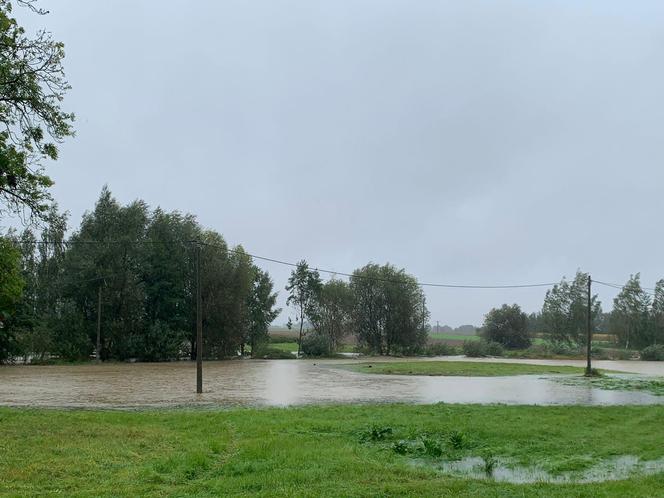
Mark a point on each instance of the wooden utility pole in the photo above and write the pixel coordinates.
(589, 327)
(98, 353)
(199, 324)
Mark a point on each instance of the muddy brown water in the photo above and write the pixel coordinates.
(290, 382)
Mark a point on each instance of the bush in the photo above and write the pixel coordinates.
(375, 433)
(316, 345)
(622, 354)
(565, 349)
(653, 353)
(432, 447)
(440, 349)
(474, 349)
(478, 349)
(458, 440)
(494, 349)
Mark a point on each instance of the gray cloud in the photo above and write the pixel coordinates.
(470, 142)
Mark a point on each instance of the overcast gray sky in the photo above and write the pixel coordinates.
(474, 142)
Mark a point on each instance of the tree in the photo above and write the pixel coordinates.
(11, 287)
(657, 312)
(32, 86)
(303, 287)
(389, 311)
(107, 253)
(330, 311)
(261, 309)
(565, 311)
(630, 315)
(142, 266)
(535, 325)
(227, 279)
(507, 325)
(42, 271)
(168, 274)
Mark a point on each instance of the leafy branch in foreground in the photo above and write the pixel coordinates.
(32, 87)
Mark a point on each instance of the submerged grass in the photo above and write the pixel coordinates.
(347, 450)
(652, 385)
(462, 368)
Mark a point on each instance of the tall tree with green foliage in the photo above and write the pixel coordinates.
(168, 274)
(630, 320)
(11, 287)
(303, 287)
(226, 284)
(507, 325)
(331, 311)
(389, 311)
(657, 313)
(42, 269)
(32, 87)
(106, 255)
(565, 310)
(261, 310)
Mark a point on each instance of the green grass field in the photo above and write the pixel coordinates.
(453, 337)
(461, 368)
(289, 347)
(317, 451)
(292, 346)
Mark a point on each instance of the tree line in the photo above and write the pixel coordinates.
(636, 319)
(128, 275)
(382, 306)
(134, 270)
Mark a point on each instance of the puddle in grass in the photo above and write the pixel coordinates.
(504, 470)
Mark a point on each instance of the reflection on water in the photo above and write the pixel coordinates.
(612, 469)
(278, 383)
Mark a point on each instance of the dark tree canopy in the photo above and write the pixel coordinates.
(11, 286)
(507, 325)
(137, 266)
(389, 313)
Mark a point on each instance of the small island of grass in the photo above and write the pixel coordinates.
(463, 368)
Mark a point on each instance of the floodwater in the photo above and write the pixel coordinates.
(290, 382)
(613, 469)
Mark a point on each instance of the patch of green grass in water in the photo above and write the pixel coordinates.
(314, 451)
(619, 383)
(462, 368)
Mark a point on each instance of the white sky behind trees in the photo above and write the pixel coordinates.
(475, 142)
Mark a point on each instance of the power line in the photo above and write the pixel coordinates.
(621, 287)
(350, 275)
(317, 269)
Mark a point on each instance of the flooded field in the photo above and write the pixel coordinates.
(289, 382)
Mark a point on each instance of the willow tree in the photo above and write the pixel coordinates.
(630, 319)
(564, 314)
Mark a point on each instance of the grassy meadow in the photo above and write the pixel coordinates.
(350, 450)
